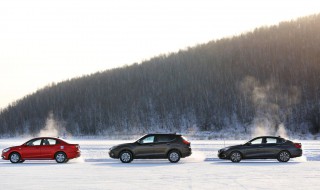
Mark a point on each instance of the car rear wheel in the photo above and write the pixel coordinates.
(235, 156)
(284, 156)
(174, 156)
(14, 157)
(126, 157)
(60, 157)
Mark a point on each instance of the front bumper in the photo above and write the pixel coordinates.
(222, 154)
(5, 156)
(112, 154)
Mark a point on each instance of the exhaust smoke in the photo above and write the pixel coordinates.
(53, 128)
(272, 105)
(197, 156)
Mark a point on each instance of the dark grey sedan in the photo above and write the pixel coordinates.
(153, 146)
(265, 147)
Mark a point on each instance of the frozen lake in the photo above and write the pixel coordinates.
(203, 170)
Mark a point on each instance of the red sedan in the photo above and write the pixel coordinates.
(42, 148)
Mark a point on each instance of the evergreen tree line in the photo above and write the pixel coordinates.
(271, 73)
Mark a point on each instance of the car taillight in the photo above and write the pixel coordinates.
(297, 145)
(186, 142)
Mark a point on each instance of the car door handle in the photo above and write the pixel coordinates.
(168, 143)
(260, 146)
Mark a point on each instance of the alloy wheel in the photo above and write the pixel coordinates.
(15, 158)
(125, 157)
(174, 156)
(235, 157)
(284, 156)
(60, 157)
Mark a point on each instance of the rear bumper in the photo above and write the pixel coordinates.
(296, 153)
(78, 154)
(186, 152)
(72, 155)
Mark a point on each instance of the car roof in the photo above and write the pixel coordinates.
(269, 137)
(162, 134)
(58, 139)
(45, 138)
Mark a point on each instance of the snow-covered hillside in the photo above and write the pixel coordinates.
(203, 170)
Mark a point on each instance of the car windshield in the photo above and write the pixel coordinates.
(34, 142)
(140, 138)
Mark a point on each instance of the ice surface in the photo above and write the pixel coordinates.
(203, 170)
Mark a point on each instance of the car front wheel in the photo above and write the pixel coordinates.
(126, 157)
(174, 156)
(284, 156)
(60, 157)
(235, 157)
(15, 158)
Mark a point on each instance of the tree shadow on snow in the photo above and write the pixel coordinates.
(138, 163)
(255, 163)
(28, 164)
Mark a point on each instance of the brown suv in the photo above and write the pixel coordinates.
(153, 146)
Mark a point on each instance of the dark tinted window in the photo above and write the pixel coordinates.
(165, 138)
(280, 140)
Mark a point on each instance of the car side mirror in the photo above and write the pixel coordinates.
(248, 143)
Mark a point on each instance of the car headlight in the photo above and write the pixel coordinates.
(112, 148)
(224, 149)
(6, 150)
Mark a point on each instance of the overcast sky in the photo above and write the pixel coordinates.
(45, 41)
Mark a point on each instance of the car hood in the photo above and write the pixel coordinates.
(232, 147)
(13, 147)
(122, 145)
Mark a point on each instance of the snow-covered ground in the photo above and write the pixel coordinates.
(203, 170)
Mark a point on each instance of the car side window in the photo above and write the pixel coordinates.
(49, 142)
(149, 139)
(271, 140)
(257, 141)
(280, 140)
(164, 138)
(36, 142)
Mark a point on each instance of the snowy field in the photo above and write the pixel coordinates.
(203, 170)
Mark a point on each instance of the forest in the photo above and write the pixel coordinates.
(267, 79)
